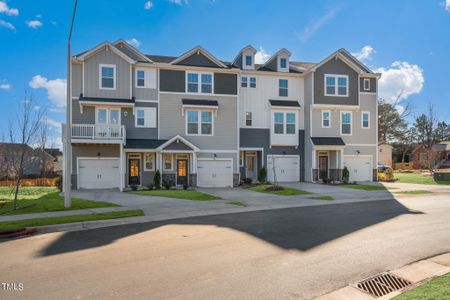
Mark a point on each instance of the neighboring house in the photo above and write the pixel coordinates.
(385, 154)
(206, 122)
(10, 155)
(55, 165)
(438, 156)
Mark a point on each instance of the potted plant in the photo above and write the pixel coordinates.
(345, 175)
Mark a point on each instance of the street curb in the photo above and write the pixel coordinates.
(418, 273)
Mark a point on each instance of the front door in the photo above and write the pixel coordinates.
(250, 161)
(182, 172)
(134, 171)
(323, 167)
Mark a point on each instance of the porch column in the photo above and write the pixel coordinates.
(121, 168)
(313, 166)
(342, 158)
(194, 162)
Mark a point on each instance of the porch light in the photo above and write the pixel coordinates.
(358, 152)
(99, 154)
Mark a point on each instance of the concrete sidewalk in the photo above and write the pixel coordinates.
(417, 273)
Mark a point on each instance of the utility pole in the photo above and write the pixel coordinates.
(68, 141)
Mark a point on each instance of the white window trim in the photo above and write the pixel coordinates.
(256, 82)
(351, 122)
(279, 87)
(145, 161)
(241, 160)
(199, 122)
(280, 69)
(329, 118)
(136, 117)
(199, 83)
(100, 66)
(164, 163)
(245, 60)
(247, 81)
(285, 122)
(251, 119)
(108, 115)
(336, 90)
(136, 79)
(368, 84)
(368, 120)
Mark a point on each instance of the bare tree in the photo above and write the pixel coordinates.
(23, 132)
(391, 121)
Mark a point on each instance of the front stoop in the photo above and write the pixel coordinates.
(418, 273)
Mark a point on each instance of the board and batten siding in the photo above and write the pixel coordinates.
(149, 92)
(225, 123)
(256, 100)
(77, 77)
(91, 75)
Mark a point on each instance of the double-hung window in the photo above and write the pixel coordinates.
(108, 116)
(365, 117)
(146, 117)
(107, 77)
(244, 81)
(149, 162)
(199, 83)
(140, 78)
(253, 82)
(326, 119)
(346, 122)
(199, 122)
(283, 87)
(284, 122)
(366, 84)
(248, 119)
(167, 162)
(283, 63)
(336, 85)
(248, 60)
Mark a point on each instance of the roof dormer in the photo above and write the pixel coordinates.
(246, 58)
(279, 62)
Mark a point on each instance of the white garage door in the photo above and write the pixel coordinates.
(215, 173)
(99, 173)
(359, 167)
(285, 167)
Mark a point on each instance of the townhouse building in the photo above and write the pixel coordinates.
(205, 122)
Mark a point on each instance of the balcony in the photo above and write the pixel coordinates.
(94, 133)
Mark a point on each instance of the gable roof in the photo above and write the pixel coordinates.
(179, 138)
(248, 47)
(275, 56)
(105, 45)
(120, 42)
(196, 50)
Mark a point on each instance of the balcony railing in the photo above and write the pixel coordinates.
(98, 132)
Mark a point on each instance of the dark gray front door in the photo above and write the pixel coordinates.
(134, 171)
(323, 167)
(182, 171)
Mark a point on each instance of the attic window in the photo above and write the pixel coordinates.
(283, 63)
(248, 60)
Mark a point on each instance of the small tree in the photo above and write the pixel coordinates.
(157, 180)
(345, 175)
(262, 175)
(389, 174)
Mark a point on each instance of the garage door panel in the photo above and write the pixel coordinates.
(215, 173)
(286, 168)
(99, 173)
(359, 167)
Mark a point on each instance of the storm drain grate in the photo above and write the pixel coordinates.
(382, 284)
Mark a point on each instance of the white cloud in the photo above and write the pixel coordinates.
(5, 9)
(134, 42)
(56, 89)
(7, 25)
(447, 5)
(34, 24)
(400, 79)
(261, 56)
(315, 25)
(148, 5)
(5, 86)
(179, 2)
(365, 53)
(39, 16)
(52, 123)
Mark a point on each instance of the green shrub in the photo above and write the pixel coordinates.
(157, 180)
(345, 175)
(262, 175)
(389, 174)
(58, 183)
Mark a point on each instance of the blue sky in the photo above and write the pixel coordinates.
(408, 41)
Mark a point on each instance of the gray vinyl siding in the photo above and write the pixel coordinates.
(125, 50)
(172, 81)
(338, 67)
(142, 93)
(307, 139)
(87, 150)
(91, 76)
(198, 60)
(225, 84)
(373, 85)
(178, 146)
(260, 138)
(77, 75)
(87, 117)
(273, 64)
(225, 123)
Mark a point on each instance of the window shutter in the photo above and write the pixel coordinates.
(150, 117)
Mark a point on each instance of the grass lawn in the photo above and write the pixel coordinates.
(416, 192)
(438, 288)
(365, 187)
(177, 194)
(322, 198)
(237, 203)
(417, 178)
(26, 192)
(49, 202)
(287, 191)
(70, 219)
